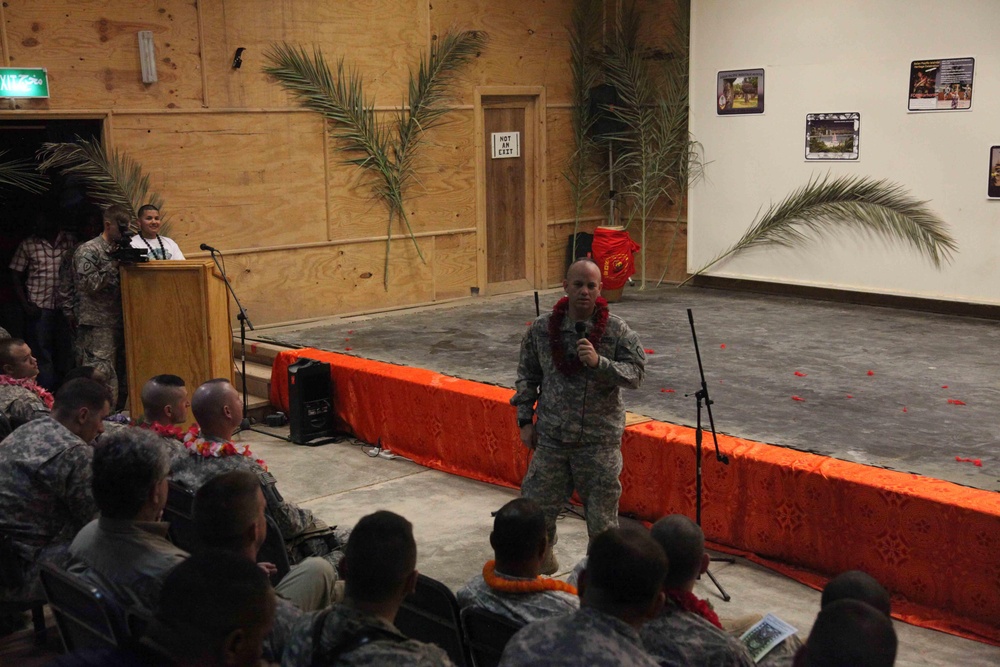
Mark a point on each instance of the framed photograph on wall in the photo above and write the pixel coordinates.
(941, 85)
(833, 136)
(993, 189)
(740, 91)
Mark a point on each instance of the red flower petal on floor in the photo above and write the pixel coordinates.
(722, 347)
(849, 396)
(798, 398)
(944, 386)
(904, 409)
(958, 458)
(346, 339)
(978, 463)
(667, 391)
(955, 401)
(350, 331)
(347, 349)
(799, 374)
(871, 372)
(527, 324)
(649, 350)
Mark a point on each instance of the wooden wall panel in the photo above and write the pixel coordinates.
(285, 285)
(559, 125)
(528, 43)
(443, 193)
(91, 50)
(233, 180)
(454, 265)
(381, 39)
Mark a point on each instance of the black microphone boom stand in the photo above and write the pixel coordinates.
(702, 398)
(244, 323)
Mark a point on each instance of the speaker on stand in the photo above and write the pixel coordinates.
(310, 401)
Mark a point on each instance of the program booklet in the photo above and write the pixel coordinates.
(765, 635)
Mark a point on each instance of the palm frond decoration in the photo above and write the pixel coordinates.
(656, 158)
(584, 42)
(875, 208)
(386, 154)
(108, 179)
(22, 174)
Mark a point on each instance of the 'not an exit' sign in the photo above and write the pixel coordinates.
(21, 82)
(506, 144)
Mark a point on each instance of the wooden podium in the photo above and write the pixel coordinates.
(176, 321)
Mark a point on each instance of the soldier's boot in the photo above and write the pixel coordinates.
(549, 564)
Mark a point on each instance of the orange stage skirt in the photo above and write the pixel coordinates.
(934, 544)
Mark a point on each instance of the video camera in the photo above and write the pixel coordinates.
(123, 250)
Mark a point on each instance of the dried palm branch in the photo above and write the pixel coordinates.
(580, 174)
(874, 208)
(341, 100)
(108, 179)
(22, 174)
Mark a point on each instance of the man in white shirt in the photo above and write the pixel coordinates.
(149, 239)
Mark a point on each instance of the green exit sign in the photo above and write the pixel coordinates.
(21, 82)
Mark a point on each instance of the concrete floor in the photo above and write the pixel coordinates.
(340, 482)
(758, 351)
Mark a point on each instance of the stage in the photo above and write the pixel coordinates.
(866, 409)
(753, 346)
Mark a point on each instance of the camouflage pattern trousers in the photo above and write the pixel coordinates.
(104, 349)
(593, 470)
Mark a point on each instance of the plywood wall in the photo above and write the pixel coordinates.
(243, 168)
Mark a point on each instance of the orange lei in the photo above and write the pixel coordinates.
(534, 586)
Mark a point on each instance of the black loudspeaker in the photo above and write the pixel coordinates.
(310, 401)
(603, 122)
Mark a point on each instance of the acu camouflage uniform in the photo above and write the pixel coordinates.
(679, 638)
(100, 331)
(45, 496)
(360, 639)
(588, 637)
(21, 405)
(518, 607)
(293, 521)
(580, 419)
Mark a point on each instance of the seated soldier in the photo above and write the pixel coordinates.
(165, 405)
(510, 585)
(125, 552)
(217, 407)
(620, 589)
(229, 515)
(687, 631)
(379, 569)
(21, 398)
(849, 633)
(45, 495)
(857, 585)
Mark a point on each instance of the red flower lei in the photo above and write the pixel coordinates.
(30, 385)
(532, 586)
(573, 365)
(166, 431)
(690, 602)
(199, 446)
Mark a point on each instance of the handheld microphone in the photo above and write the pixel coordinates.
(581, 330)
(205, 246)
(581, 333)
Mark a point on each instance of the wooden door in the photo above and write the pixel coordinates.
(510, 195)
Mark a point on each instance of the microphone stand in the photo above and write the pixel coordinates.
(244, 323)
(702, 397)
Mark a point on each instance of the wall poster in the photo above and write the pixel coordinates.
(993, 189)
(941, 85)
(833, 136)
(740, 91)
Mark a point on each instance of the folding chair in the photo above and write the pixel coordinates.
(83, 614)
(430, 614)
(486, 635)
(178, 512)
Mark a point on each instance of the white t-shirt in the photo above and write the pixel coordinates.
(173, 252)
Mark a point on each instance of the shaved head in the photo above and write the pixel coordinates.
(216, 406)
(165, 399)
(684, 543)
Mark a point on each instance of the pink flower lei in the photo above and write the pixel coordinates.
(195, 444)
(30, 385)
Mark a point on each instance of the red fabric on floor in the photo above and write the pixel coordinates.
(932, 543)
